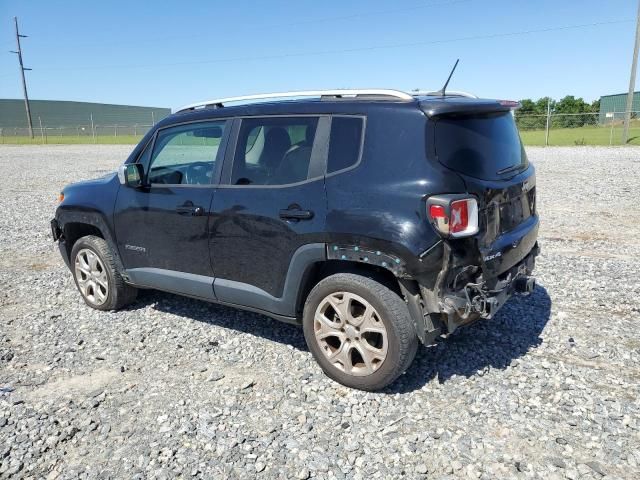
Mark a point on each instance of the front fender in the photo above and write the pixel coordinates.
(68, 219)
(89, 203)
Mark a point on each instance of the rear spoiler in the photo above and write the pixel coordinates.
(465, 106)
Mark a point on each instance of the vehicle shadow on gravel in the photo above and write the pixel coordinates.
(222, 316)
(473, 350)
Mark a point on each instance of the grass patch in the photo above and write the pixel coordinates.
(72, 140)
(591, 135)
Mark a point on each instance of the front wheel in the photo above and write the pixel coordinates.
(96, 276)
(359, 331)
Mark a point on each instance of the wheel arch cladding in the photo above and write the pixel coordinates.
(78, 224)
(72, 231)
(323, 269)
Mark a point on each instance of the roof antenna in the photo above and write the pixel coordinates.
(444, 88)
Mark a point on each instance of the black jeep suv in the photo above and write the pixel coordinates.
(375, 218)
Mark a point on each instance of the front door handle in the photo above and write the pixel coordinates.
(296, 214)
(190, 209)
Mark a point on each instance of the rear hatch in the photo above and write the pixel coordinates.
(483, 146)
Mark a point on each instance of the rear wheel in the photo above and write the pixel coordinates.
(359, 331)
(94, 271)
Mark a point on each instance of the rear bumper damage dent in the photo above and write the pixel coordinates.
(443, 310)
(477, 300)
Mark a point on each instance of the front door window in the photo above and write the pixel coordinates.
(186, 155)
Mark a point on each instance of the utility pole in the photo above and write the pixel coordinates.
(24, 81)
(632, 81)
(546, 130)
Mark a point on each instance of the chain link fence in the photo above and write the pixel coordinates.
(558, 129)
(75, 134)
(553, 129)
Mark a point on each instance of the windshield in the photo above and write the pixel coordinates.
(484, 146)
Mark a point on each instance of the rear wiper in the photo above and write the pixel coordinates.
(512, 168)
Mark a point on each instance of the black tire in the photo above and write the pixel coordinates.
(119, 294)
(393, 312)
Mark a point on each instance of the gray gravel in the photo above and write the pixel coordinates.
(173, 387)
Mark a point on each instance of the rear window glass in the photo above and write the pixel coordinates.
(344, 143)
(482, 146)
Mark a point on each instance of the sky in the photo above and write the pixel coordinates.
(177, 52)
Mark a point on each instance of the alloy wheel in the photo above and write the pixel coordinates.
(351, 333)
(91, 277)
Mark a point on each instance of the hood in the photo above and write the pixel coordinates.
(103, 180)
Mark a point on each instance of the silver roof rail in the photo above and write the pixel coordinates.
(340, 93)
(449, 93)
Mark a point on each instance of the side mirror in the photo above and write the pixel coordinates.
(131, 175)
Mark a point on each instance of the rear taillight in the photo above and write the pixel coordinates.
(453, 215)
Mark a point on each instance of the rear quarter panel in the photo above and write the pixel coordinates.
(380, 203)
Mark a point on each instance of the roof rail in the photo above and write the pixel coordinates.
(449, 93)
(340, 93)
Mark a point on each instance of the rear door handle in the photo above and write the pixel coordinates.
(296, 214)
(190, 209)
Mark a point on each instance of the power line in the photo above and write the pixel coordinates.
(632, 81)
(349, 50)
(24, 81)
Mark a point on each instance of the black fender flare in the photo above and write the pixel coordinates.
(95, 219)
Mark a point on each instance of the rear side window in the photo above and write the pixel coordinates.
(345, 142)
(274, 151)
(482, 146)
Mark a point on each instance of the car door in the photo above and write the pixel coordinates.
(271, 202)
(162, 227)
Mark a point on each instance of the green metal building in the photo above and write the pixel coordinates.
(63, 114)
(617, 104)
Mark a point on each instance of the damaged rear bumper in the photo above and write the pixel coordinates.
(483, 298)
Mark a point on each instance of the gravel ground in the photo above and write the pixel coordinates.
(174, 387)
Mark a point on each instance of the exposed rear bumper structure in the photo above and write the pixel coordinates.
(483, 299)
(465, 293)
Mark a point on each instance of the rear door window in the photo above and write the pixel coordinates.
(274, 150)
(483, 146)
(345, 142)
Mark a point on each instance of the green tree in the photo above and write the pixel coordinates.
(532, 115)
(572, 105)
(541, 105)
(527, 107)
